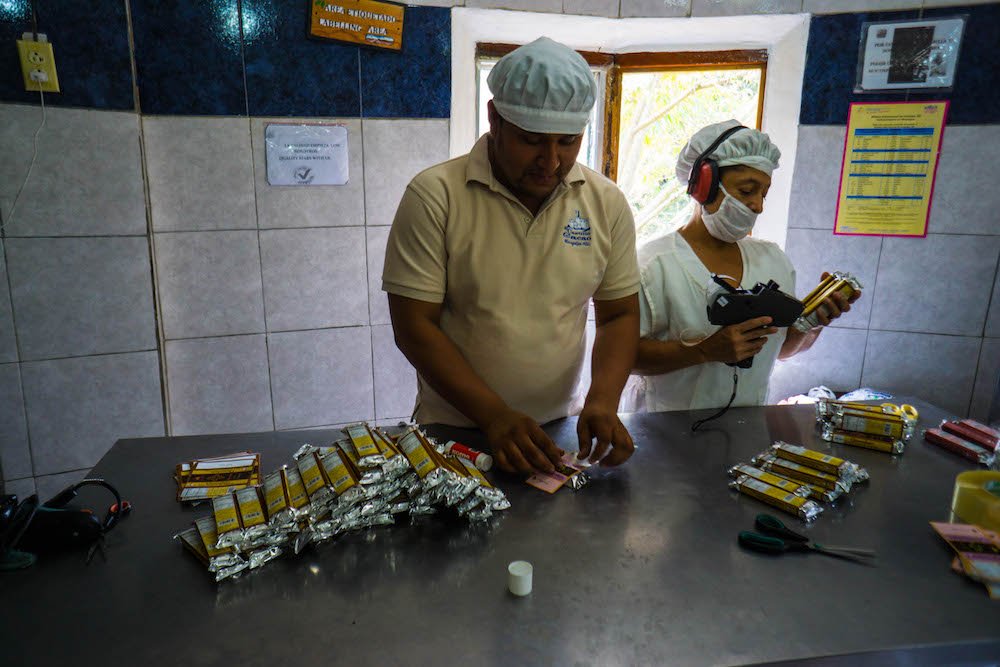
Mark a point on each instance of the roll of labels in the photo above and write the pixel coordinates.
(976, 499)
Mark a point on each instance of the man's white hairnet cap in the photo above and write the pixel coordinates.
(748, 147)
(544, 87)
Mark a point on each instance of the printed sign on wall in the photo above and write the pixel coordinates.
(890, 158)
(306, 154)
(904, 55)
(366, 22)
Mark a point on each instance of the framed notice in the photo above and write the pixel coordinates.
(909, 55)
(366, 22)
(890, 159)
(306, 154)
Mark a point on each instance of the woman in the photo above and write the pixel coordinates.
(683, 357)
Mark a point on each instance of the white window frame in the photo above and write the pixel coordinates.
(784, 36)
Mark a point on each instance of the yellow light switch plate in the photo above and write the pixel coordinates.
(38, 65)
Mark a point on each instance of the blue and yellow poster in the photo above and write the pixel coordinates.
(890, 159)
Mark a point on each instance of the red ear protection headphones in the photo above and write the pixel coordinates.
(703, 180)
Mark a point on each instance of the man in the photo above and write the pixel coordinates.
(492, 260)
(727, 168)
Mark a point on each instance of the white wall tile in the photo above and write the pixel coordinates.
(209, 283)
(833, 361)
(378, 303)
(993, 318)
(935, 284)
(22, 488)
(321, 377)
(395, 379)
(938, 369)
(551, 6)
(607, 8)
(78, 408)
(75, 297)
(844, 6)
(314, 278)
(313, 205)
(396, 151)
(655, 8)
(966, 199)
(87, 177)
(50, 485)
(218, 385)
(15, 455)
(956, 3)
(200, 173)
(984, 392)
(816, 179)
(8, 341)
(813, 251)
(740, 7)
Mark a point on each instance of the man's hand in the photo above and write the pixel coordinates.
(736, 342)
(602, 424)
(520, 445)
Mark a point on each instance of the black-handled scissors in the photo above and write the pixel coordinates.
(777, 538)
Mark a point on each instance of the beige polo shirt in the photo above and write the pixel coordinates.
(515, 289)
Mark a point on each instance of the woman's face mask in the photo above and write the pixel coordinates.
(731, 222)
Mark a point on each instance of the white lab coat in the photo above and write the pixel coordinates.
(673, 298)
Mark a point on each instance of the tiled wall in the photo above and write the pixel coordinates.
(152, 282)
(928, 322)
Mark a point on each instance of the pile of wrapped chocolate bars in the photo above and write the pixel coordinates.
(366, 479)
(968, 438)
(795, 479)
(885, 428)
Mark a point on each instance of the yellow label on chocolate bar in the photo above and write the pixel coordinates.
(337, 472)
(385, 447)
(867, 441)
(226, 519)
(251, 511)
(362, 441)
(805, 473)
(769, 478)
(312, 476)
(882, 424)
(475, 472)
(772, 495)
(416, 454)
(209, 536)
(274, 493)
(809, 457)
(297, 496)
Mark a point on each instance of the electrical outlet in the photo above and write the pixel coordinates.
(38, 64)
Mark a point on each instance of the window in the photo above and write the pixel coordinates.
(648, 106)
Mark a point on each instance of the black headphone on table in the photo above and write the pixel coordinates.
(53, 526)
(703, 179)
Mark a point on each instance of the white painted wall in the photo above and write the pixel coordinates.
(784, 36)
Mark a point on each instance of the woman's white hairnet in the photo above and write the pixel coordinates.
(748, 147)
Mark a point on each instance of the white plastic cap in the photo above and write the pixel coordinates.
(519, 577)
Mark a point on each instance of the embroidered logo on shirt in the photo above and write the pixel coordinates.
(577, 231)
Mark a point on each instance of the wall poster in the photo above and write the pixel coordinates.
(890, 160)
(909, 55)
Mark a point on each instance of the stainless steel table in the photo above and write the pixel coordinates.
(641, 567)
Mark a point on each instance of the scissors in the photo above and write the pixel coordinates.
(776, 538)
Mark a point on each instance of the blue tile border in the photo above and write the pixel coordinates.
(416, 82)
(289, 74)
(189, 57)
(90, 43)
(832, 55)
